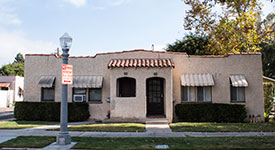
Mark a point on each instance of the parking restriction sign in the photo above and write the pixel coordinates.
(67, 74)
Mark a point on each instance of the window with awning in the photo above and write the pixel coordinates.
(237, 88)
(47, 88)
(87, 87)
(197, 87)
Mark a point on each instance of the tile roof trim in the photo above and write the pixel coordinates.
(143, 50)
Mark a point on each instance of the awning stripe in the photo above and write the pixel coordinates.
(204, 79)
(87, 81)
(238, 81)
(46, 81)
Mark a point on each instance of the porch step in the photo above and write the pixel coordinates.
(156, 121)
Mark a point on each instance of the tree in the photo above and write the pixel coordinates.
(19, 58)
(191, 44)
(15, 68)
(268, 58)
(234, 30)
(268, 99)
(12, 69)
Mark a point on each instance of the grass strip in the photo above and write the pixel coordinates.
(28, 142)
(222, 127)
(185, 143)
(23, 124)
(109, 127)
(188, 143)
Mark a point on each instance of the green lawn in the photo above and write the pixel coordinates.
(23, 124)
(29, 142)
(188, 143)
(110, 127)
(222, 127)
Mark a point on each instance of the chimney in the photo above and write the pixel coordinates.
(153, 46)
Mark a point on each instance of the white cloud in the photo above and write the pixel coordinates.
(13, 42)
(77, 3)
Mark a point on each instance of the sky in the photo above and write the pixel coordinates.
(96, 26)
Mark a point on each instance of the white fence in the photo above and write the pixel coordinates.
(6, 98)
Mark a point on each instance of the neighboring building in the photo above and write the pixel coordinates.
(11, 90)
(139, 84)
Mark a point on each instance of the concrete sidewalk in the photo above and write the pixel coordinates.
(42, 132)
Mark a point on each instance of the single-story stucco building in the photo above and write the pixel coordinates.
(138, 84)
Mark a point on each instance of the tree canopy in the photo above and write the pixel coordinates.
(15, 68)
(237, 29)
(191, 44)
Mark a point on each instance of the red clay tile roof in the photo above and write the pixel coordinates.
(141, 62)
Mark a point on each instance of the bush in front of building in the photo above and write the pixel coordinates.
(50, 111)
(211, 112)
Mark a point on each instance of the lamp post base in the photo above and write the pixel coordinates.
(63, 139)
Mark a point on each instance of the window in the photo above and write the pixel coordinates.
(47, 94)
(192, 94)
(79, 95)
(237, 94)
(95, 94)
(126, 87)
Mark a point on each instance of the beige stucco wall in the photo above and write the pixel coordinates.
(135, 108)
(221, 68)
(123, 108)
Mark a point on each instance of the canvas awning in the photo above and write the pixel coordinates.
(238, 81)
(141, 63)
(4, 84)
(46, 81)
(204, 79)
(87, 81)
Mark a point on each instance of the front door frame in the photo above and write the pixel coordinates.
(155, 99)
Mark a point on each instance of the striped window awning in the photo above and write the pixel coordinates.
(46, 81)
(87, 81)
(238, 81)
(141, 62)
(204, 79)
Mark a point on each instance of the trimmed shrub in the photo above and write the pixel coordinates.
(50, 111)
(268, 99)
(211, 112)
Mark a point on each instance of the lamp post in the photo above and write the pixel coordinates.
(63, 138)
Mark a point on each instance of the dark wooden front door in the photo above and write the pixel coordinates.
(154, 93)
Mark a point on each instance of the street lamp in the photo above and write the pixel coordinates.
(63, 138)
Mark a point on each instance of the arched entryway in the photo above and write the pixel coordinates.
(155, 96)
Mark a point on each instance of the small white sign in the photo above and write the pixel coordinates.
(67, 74)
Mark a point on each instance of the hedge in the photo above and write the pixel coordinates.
(211, 112)
(50, 111)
